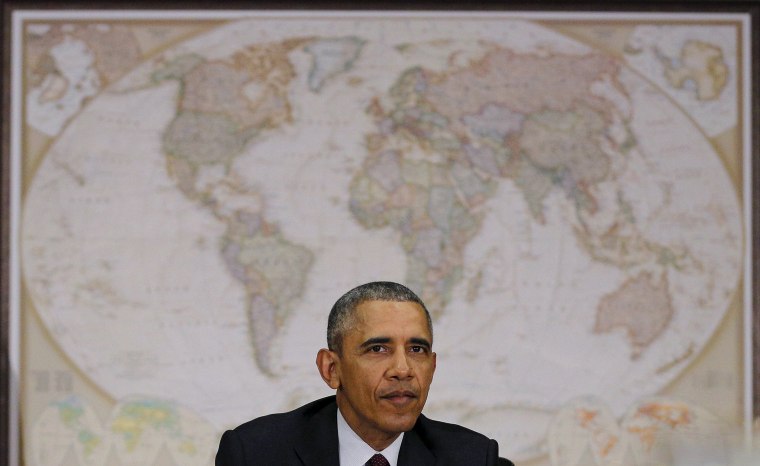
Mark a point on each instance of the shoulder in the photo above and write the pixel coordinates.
(279, 424)
(273, 439)
(455, 443)
(444, 432)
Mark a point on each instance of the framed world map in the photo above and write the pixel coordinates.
(570, 192)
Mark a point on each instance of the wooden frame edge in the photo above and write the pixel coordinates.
(749, 7)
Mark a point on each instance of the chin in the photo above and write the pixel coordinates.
(402, 424)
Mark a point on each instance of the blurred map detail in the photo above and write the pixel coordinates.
(70, 63)
(655, 431)
(700, 67)
(135, 432)
(694, 65)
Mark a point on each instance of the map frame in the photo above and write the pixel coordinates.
(10, 339)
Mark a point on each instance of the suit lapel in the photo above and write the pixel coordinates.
(319, 440)
(414, 452)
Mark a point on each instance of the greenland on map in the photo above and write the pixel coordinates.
(566, 197)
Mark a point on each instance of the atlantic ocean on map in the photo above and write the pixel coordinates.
(571, 229)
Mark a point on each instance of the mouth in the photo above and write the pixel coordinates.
(400, 398)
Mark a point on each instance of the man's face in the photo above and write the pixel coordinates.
(384, 370)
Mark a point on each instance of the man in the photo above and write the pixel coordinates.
(380, 362)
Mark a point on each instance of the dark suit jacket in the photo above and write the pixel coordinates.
(308, 436)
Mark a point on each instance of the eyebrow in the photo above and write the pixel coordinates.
(375, 341)
(421, 342)
(384, 340)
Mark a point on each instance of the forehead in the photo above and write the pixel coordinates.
(391, 318)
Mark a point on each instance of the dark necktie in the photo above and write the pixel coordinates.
(378, 460)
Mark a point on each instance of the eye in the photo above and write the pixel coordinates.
(417, 349)
(376, 348)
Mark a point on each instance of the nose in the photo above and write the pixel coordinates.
(400, 367)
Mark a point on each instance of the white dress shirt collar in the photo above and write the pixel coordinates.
(355, 452)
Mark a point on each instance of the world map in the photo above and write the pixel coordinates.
(573, 231)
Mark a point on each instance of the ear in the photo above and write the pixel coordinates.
(328, 364)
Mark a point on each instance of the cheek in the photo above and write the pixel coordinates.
(368, 378)
(426, 373)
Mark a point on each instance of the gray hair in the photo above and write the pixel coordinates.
(342, 314)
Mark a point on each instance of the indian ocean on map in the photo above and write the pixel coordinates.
(572, 231)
